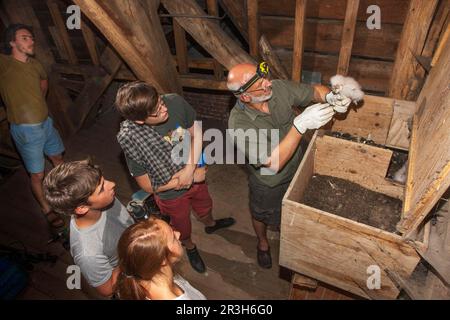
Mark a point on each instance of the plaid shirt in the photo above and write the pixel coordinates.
(145, 145)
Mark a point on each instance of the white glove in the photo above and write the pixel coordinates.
(313, 117)
(339, 102)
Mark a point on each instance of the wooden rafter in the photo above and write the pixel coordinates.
(180, 48)
(213, 10)
(89, 38)
(297, 55)
(348, 34)
(253, 30)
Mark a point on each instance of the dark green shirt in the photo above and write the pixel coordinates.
(181, 117)
(286, 94)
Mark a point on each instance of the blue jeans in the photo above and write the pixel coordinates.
(35, 140)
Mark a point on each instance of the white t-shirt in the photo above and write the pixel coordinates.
(190, 293)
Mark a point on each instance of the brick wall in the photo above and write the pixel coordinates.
(210, 104)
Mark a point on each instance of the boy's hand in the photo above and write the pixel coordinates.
(185, 178)
(200, 174)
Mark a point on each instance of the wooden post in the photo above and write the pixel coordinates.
(253, 29)
(411, 43)
(300, 15)
(62, 30)
(348, 33)
(133, 28)
(207, 33)
(213, 10)
(89, 38)
(180, 47)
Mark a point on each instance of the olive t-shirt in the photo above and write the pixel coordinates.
(20, 89)
(181, 118)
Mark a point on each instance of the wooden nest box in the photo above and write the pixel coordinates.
(337, 250)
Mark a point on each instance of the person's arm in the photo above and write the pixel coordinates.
(107, 289)
(320, 91)
(144, 182)
(284, 151)
(44, 87)
(186, 175)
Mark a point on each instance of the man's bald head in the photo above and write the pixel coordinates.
(239, 75)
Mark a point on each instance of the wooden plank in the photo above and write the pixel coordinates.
(62, 30)
(180, 47)
(234, 9)
(299, 30)
(89, 38)
(429, 175)
(202, 82)
(373, 75)
(338, 251)
(371, 120)
(58, 42)
(325, 36)
(304, 281)
(437, 29)
(213, 10)
(411, 44)
(438, 52)
(266, 51)
(304, 173)
(356, 162)
(117, 20)
(348, 34)
(94, 87)
(401, 125)
(208, 34)
(391, 11)
(253, 28)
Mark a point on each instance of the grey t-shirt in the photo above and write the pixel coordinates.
(94, 249)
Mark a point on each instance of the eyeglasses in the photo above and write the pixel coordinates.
(259, 89)
(158, 108)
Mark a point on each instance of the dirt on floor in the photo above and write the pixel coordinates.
(352, 201)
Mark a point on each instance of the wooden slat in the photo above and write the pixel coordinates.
(180, 48)
(266, 51)
(401, 124)
(208, 34)
(146, 52)
(429, 174)
(213, 10)
(58, 42)
(89, 39)
(438, 52)
(297, 55)
(253, 28)
(371, 74)
(62, 30)
(391, 11)
(360, 163)
(325, 36)
(437, 29)
(411, 43)
(235, 9)
(370, 121)
(348, 34)
(202, 82)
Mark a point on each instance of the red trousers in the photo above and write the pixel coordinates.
(179, 209)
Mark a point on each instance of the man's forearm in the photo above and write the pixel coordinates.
(284, 151)
(320, 91)
(196, 145)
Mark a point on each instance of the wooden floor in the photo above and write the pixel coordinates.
(230, 255)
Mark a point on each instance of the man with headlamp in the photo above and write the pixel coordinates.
(265, 104)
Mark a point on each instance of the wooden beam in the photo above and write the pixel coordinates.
(213, 10)
(62, 30)
(276, 67)
(253, 29)
(58, 42)
(348, 33)
(203, 82)
(235, 9)
(300, 14)
(411, 44)
(207, 33)
(89, 38)
(146, 52)
(180, 47)
(443, 41)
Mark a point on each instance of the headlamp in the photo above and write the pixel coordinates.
(262, 71)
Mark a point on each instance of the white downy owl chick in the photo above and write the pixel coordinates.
(347, 87)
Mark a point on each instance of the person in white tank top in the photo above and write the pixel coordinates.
(147, 252)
